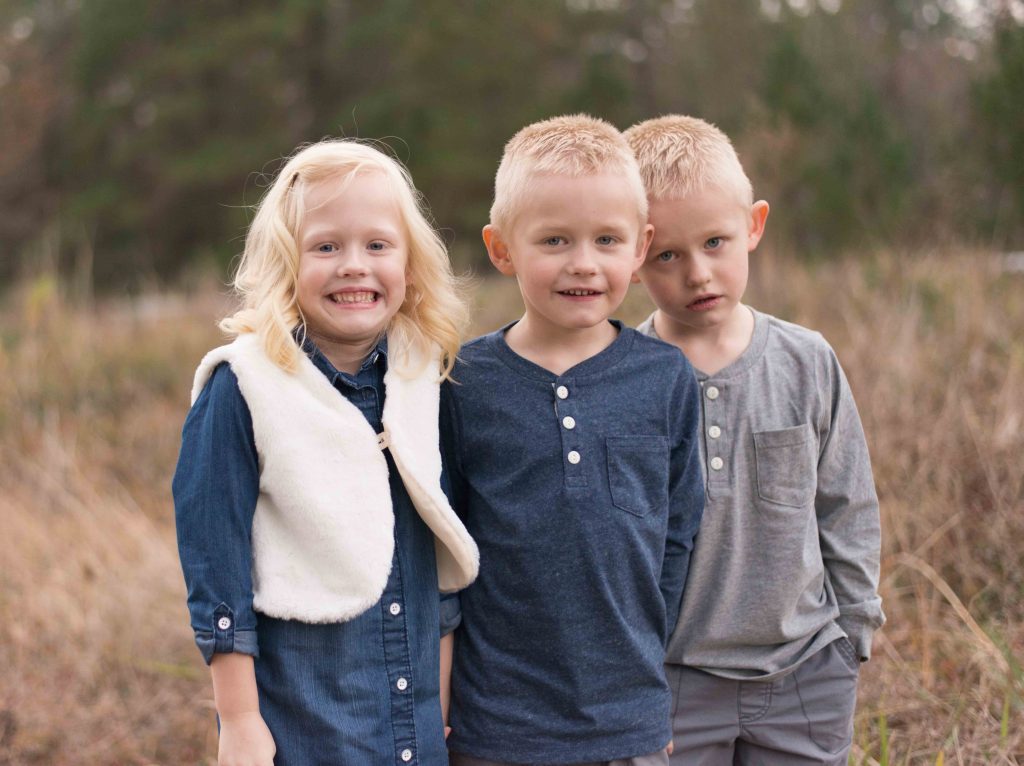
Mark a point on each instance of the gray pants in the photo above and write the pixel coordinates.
(803, 718)
(654, 759)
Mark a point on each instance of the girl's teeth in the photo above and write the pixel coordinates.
(364, 297)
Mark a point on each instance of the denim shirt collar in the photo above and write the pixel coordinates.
(379, 354)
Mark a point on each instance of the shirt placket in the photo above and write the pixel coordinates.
(567, 413)
(399, 666)
(714, 395)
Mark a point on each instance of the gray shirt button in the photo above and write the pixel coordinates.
(717, 463)
(714, 432)
(712, 392)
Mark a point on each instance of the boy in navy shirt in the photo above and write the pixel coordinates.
(572, 445)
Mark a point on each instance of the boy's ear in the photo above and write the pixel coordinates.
(758, 217)
(497, 251)
(643, 245)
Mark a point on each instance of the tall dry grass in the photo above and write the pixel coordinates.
(98, 665)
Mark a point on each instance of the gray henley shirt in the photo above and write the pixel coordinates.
(786, 560)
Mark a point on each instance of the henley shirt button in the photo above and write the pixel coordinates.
(402, 684)
(224, 623)
(395, 608)
(573, 457)
(569, 422)
(712, 392)
(714, 432)
(562, 392)
(407, 755)
(717, 463)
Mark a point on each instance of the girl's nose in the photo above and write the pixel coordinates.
(352, 264)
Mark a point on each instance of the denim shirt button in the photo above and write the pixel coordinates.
(402, 684)
(569, 422)
(395, 608)
(407, 755)
(573, 457)
(224, 623)
(562, 392)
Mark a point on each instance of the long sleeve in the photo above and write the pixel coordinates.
(215, 489)
(847, 513)
(452, 484)
(686, 498)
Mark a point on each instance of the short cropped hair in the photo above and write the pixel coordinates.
(572, 145)
(433, 314)
(679, 155)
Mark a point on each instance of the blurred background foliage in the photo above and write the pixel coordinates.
(135, 135)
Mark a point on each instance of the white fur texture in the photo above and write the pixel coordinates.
(323, 529)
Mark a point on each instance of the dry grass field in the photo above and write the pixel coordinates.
(98, 664)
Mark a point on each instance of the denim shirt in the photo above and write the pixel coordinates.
(364, 690)
(584, 492)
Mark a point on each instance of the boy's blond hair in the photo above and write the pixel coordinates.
(433, 313)
(679, 155)
(572, 145)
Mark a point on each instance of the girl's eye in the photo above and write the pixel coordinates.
(553, 241)
(377, 245)
(665, 257)
(714, 243)
(326, 248)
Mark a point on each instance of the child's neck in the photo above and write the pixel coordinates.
(558, 349)
(346, 357)
(710, 349)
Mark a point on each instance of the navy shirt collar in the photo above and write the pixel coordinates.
(599, 362)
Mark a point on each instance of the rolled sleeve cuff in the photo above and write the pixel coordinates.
(860, 630)
(450, 612)
(225, 638)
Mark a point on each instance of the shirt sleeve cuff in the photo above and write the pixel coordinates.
(450, 612)
(224, 638)
(860, 633)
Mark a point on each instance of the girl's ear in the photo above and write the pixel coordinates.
(758, 217)
(497, 251)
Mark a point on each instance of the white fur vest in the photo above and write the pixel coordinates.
(322, 534)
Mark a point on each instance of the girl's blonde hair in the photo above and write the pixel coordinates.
(433, 313)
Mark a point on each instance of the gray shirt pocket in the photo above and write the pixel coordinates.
(786, 465)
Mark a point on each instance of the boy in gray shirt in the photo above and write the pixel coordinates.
(781, 599)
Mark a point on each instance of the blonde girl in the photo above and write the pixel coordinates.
(308, 493)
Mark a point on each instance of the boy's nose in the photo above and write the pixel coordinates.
(582, 261)
(698, 275)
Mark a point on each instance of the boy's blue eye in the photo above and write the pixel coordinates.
(713, 243)
(606, 240)
(554, 241)
(665, 257)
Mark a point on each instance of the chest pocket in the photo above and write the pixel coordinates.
(638, 472)
(786, 465)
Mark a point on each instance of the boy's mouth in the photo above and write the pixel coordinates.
(704, 303)
(579, 293)
(354, 297)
